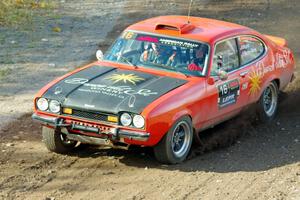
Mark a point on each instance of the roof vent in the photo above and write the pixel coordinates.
(181, 28)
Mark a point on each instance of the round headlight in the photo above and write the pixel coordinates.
(54, 106)
(42, 104)
(125, 119)
(138, 121)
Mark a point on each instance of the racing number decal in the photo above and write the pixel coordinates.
(228, 93)
(129, 35)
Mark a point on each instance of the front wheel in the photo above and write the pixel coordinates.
(56, 141)
(176, 144)
(268, 103)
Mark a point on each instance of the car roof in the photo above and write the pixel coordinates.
(195, 28)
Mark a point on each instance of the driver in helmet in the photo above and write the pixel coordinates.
(155, 53)
(198, 61)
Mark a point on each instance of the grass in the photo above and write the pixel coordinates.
(4, 72)
(17, 12)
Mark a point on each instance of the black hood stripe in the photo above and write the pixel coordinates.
(91, 79)
(111, 90)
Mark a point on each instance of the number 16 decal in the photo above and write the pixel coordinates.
(228, 93)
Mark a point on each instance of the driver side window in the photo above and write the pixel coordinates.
(225, 57)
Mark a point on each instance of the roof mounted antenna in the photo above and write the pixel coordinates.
(191, 2)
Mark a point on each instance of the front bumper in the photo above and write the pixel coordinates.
(116, 133)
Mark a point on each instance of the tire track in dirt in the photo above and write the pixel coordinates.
(191, 193)
(92, 163)
(33, 176)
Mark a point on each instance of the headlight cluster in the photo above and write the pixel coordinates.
(137, 121)
(44, 104)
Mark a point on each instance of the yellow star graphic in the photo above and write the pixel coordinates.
(131, 78)
(255, 80)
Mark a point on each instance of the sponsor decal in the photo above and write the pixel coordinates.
(89, 106)
(244, 86)
(279, 61)
(147, 39)
(228, 93)
(58, 90)
(116, 91)
(131, 101)
(180, 43)
(76, 81)
(121, 91)
(125, 78)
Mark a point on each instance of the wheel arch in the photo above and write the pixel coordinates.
(266, 83)
(185, 114)
(164, 151)
(263, 114)
(277, 81)
(179, 115)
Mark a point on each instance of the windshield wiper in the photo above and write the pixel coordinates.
(128, 61)
(170, 68)
(174, 69)
(186, 75)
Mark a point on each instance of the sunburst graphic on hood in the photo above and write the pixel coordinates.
(126, 78)
(255, 80)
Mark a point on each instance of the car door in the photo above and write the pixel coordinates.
(227, 94)
(253, 65)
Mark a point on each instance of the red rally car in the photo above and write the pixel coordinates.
(164, 80)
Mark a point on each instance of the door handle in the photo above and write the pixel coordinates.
(243, 74)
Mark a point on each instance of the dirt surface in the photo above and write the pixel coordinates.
(243, 159)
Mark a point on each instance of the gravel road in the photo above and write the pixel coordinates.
(263, 162)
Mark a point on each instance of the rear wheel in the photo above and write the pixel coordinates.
(176, 144)
(56, 141)
(268, 103)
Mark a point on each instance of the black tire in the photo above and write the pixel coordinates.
(268, 103)
(56, 142)
(165, 150)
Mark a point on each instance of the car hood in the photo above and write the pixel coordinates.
(111, 90)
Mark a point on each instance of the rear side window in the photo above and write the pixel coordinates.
(225, 57)
(250, 49)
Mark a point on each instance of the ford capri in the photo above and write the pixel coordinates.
(161, 83)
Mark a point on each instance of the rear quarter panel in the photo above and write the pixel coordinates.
(279, 65)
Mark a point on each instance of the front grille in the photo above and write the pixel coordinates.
(90, 115)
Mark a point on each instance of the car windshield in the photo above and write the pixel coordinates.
(163, 53)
